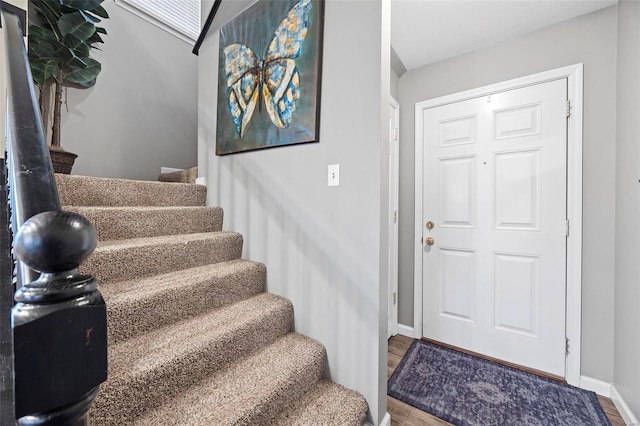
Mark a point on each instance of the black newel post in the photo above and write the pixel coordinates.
(59, 323)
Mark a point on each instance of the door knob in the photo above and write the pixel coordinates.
(430, 241)
(430, 225)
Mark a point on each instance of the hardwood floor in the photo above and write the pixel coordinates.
(405, 414)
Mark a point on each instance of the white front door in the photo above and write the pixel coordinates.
(494, 188)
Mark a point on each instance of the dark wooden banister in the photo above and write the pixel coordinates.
(59, 317)
(207, 25)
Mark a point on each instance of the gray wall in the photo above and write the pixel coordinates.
(590, 39)
(142, 113)
(321, 245)
(627, 295)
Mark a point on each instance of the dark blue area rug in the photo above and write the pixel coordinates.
(466, 390)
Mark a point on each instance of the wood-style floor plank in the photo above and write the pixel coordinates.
(406, 415)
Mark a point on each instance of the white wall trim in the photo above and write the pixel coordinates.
(394, 206)
(600, 387)
(574, 214)
(623, 408)
(608, 390)
(169, 170)
(405, 330)
(386, 420)
(574, 75)
(417, 227)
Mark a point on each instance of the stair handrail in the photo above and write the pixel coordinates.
(205, 28)
(58, 320)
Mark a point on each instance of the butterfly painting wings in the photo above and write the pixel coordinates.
(274, 79)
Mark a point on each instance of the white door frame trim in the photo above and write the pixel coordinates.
(574, 75)
(394, 205)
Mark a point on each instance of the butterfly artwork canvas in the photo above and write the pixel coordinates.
(269, 76)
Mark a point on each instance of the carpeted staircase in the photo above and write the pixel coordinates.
(194, 339)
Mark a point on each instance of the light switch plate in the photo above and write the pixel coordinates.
(334, 175)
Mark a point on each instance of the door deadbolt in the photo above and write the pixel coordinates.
(430, 225)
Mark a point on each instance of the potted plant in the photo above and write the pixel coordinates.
(61, 36)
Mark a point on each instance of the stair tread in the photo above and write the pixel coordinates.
(118, 260)
(157, 366)
(174, 296)
(139, 208)
(162, 239)
(327, 404)
(252, 391)
(97, 191)
(156, 348)
(140, 288)
(118, 223)
(119, 181)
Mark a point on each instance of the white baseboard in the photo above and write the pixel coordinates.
(386, 420)
(405, 330)
(623, 408)
(594, 385)
(169, 170)
(608, 390)
(201, 181)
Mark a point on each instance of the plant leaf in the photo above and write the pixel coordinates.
(38, 34)
(43, 70)
(51, 12)
(89, 17)
(83, 75)
(81, 4)
(100, 11)
(75, 45)
(46, 54)
(89, 83)
(42, 51)
(74, 23)
(94, 39)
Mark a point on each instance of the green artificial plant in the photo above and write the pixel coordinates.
(59, 51)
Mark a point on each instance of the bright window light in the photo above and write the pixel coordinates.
(181, 16)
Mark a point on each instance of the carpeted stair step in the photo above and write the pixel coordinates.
(92, 191)
(143, 257)
(251, 392)
(183, 176)
(327, 404)
(162, 366)
(138, 306)
(117, 223)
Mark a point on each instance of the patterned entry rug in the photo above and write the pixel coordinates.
(466, 390)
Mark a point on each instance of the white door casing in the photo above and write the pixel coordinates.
(508, 319)
(495, 190)
(394, 141)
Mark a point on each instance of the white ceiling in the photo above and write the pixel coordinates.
(426, 31)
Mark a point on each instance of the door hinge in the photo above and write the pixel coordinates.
(566, 346)
(394, 298)
(395, 216)
(395, 134)
(421, 240)
(567, 229)
(568, 108)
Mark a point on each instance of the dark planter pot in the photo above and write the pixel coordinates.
(62, 160)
